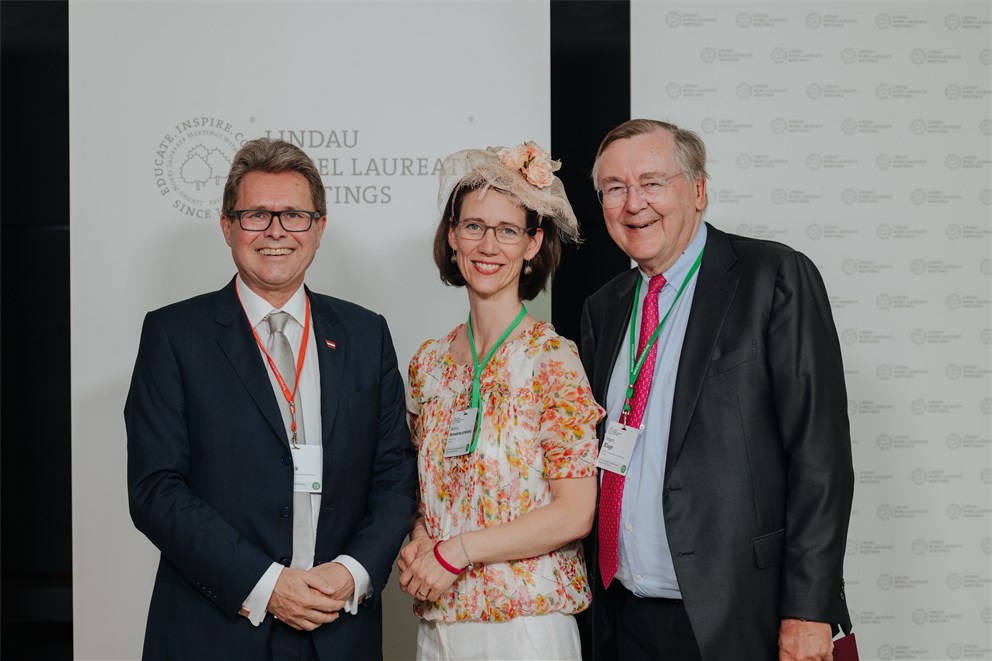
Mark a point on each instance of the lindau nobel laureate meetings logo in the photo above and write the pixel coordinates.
(191, 164)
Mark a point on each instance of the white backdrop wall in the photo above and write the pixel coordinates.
(858, 133)
(162, 95)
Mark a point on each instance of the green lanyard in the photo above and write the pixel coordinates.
(477, 373)
(635, 366)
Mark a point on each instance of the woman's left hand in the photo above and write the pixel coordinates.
(425, 578)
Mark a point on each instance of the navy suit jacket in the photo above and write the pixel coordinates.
(758, 483)
(210, 478)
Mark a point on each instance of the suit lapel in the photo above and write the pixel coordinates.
(616, 321)
(331, 346)
(715, 288)
(238, 343)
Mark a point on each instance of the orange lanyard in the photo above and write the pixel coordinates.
(290, 396)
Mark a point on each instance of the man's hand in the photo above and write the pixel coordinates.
(417, 547)
(338, 579)
(799, 640)
(302, 600)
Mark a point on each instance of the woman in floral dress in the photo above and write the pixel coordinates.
(505, 425)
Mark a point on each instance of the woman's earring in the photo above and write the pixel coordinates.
(527, 269)
(453, 253)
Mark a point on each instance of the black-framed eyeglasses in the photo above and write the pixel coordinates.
(505, 234)
(651, 190)
(292, 220)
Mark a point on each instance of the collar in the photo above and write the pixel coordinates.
(677, 272)
(258, 308)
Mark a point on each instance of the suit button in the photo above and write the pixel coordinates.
(285, 512)
(286, 460)
(284, 561)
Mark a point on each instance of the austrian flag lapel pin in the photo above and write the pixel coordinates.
(330, 344)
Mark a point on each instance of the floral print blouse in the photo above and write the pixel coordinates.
(538, 423)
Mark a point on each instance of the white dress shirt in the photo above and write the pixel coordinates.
(258, 310)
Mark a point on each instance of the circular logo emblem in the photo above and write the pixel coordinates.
(708, 125)
(852, 547)
(848, 125)
(952, 92)
(953, 441)
(849, 56)
(953, 161)
(918, 126)
(953, 301)
(986, 546)
(884, 582)
(918, 476)
(884, 512)
(743, 20)
(919, 546)
(985, 126)
(623, 469)
(744, 161)
(814, 161)
(673, 19)
(985, 266)
(813, 20)
(191, 164)
(953, 231)
(778, 126)
(883, 372)
(918, 266)
(985, 336)
(918, 196)
(918, 337)
(986, 406)
(315, 486)
(708, 55)
(986, 196)
(779, 55)
(883, 91)
(917, 56)
(986, 475)
(884, 442)
(954, 651)
(814, 91)
(673, 90)
(883, 21)
(953, 511)
(883, 161)
(849, 267)
(920, 616)
(985, 57)
(849, 196)
(743, 91)
(952, 21)
(883, 302)
(779, 196)
(884, 231)
(814, 231)
(745, 230)
(918, 406)
(849, 336)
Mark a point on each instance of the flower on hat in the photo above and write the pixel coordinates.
(532, 162)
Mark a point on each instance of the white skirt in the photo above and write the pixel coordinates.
(528, 637)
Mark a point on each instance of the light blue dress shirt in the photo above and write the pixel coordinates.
(645, 566)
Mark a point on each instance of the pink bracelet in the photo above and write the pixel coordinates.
(444, 563)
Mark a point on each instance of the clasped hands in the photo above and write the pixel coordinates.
(421, 575)
(307, 599)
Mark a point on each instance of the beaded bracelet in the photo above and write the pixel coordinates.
(444, 563)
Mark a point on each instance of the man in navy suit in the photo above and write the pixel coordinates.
(268, 454)
(724, 508)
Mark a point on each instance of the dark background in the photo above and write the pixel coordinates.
(590, 44)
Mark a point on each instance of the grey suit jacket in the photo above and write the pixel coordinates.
(758, 483)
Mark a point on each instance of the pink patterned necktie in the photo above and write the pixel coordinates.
(611, 495)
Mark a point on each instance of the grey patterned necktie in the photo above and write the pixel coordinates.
(282, 354)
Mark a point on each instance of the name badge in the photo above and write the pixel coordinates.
(618, 445)
(308, 468)
(460, 432)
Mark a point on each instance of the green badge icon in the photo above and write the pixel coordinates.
(623, 469)
(315, 486)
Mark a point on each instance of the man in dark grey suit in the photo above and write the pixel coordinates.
(269, 458)
(722, 520)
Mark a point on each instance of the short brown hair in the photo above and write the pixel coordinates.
(690, 151)
(542, 266)
(268, 155)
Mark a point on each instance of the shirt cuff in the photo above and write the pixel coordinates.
(363, 583)
(254, 607)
